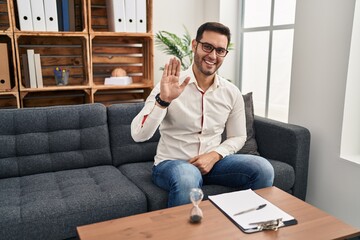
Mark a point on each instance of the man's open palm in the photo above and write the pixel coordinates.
(169, 85)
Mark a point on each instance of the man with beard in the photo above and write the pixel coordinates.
(193, 108)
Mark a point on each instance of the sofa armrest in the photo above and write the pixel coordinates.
(287, 143)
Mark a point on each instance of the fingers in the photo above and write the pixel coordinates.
(165, 72)
(192, 160)
(177, 67)
(172, 68)
(185, 83)
(174, 64)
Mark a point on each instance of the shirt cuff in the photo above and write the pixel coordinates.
(222, 151)
(157, 112)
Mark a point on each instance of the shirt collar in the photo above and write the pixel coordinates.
(189, 73)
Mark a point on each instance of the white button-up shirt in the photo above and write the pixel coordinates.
(194, 122)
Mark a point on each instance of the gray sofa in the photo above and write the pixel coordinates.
(66, 166)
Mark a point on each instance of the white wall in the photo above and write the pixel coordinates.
(319, 72)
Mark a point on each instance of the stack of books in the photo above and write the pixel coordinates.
(32, 69)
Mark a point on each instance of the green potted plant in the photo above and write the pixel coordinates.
(173, 45)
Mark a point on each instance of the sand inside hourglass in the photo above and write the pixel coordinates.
(196, 195)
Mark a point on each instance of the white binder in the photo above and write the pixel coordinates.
(32, 71)
(116, 15)
(25, 17)
(141, 16)
(130, 12)
(38, 71)
(38, 15)
(51, 17)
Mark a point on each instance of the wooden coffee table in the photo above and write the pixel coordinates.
(173, 223)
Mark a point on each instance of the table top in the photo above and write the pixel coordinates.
(173, 223)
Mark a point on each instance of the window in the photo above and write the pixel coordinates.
(350, 139)
(266, 42)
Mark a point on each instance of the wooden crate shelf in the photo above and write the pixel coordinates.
(8, 39)
(9, 100)
(114, 96)
(90, 52)
(5, 20)
(52, 98)
(131, 54)
(98, 20)
(70, 53)
(81, 22)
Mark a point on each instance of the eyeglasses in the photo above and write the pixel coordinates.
(208, 48)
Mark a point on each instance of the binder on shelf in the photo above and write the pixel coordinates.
(4, 68)
(141, 16)
(25, 71)
(250, 212)
(25, 16)
(116, 15)
(38, 15)
(72, 15)
(38, 71)
(65, 15)
(51, 15)
(130, 12)
(59, 15)
(32, 71)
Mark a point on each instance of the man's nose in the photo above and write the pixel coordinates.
(213, 53)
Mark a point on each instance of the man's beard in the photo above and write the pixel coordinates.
(198, 62)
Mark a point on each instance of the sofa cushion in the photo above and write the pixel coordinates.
(250, 146)
(123, 147)
(140, 174)
(51, 205)
(46, 139)
(284, 175)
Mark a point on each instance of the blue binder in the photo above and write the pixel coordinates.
(65, 15)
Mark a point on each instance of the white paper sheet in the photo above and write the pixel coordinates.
(234, 202)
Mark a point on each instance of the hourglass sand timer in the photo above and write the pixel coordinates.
(196, 195)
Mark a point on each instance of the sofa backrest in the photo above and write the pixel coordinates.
(45, 139)
(123, 147)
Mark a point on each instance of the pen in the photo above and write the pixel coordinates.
(251, 209)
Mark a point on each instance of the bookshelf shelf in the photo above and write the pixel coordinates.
(8, 84)
(90, 53)
(5, 20)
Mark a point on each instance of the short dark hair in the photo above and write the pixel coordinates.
(214, 27)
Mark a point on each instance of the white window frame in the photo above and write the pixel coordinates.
(271, 28)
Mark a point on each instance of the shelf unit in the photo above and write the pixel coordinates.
(90, 53)
(9, 98)
(131, 51)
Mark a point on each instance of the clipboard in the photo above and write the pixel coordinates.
(267, 218)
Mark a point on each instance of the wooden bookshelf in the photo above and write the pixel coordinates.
(90, 53)
(9, 96)
(5, 19)
(131, 51)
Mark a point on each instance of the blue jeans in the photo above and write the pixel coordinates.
(238, 171)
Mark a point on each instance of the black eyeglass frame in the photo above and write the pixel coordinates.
(212, 49)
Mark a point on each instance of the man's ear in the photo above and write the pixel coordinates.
(193, 45)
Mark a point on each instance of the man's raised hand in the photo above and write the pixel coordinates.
(170, 88)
